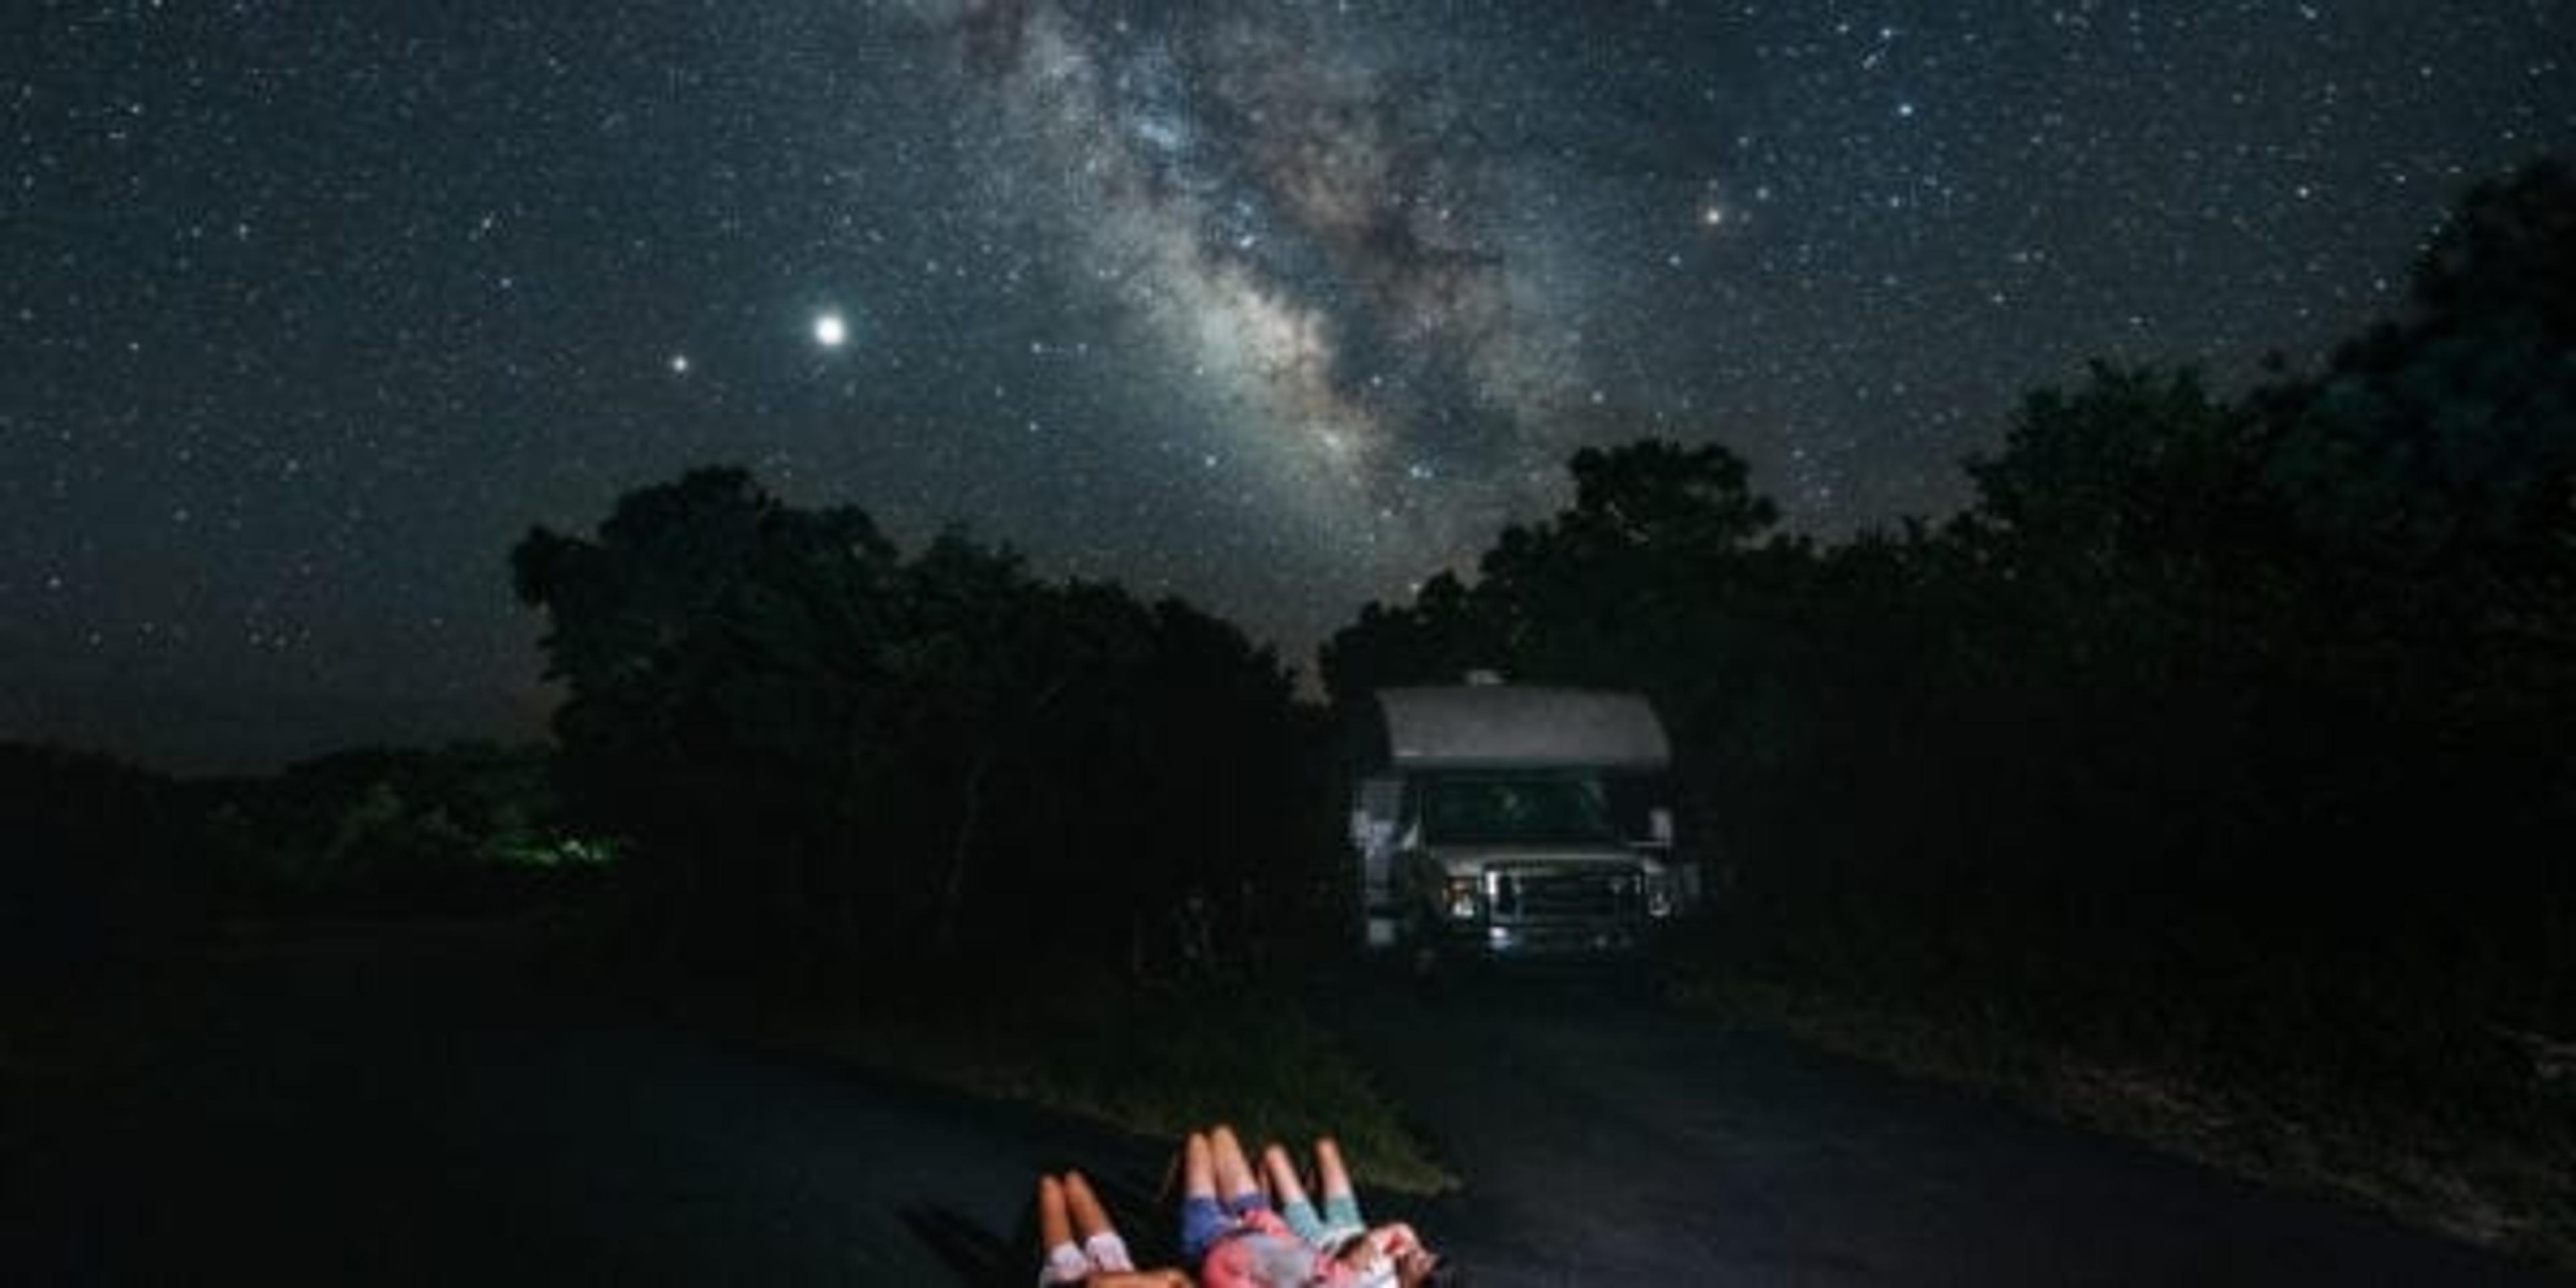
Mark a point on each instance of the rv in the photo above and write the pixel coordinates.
(1495, 821)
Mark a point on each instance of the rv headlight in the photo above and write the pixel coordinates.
(1659, 893)
(1465, 899)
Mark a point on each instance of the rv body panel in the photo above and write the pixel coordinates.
(1509, 822)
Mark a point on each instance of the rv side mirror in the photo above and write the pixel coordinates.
(1373, 811)
(1659, 825)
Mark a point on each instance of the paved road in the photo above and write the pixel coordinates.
(358, 1114)
(350, 1114)
(1607, 1143)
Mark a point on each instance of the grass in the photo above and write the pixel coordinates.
(1158, 1061)
(2479, 1151)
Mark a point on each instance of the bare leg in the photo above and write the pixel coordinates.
(1054, 1230)
(1234, 1178)
(1198, 1170)
(1285, 1190)
(1288, 1198)
(1088, 1218)
(1330, 1176)
(1065, 1261)
(1100, 1240)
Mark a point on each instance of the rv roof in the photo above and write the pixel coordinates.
(1512, 727)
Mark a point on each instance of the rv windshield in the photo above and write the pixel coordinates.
(1515, 811)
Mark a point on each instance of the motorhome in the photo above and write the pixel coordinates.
(1503, 821)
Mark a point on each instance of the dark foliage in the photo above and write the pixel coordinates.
(466, 828)
(102, 855)
(96, 853)
(2243, 720)
(825, 754)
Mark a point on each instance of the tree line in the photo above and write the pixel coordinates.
(2253, 707)
(828, 753)
(101, 857)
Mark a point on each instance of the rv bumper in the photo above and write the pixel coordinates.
(1549, 941)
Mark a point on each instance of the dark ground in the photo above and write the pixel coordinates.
(357, 1108)
(363, 1108)
(1607, 1142)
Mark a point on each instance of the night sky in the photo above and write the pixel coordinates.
(311, 309)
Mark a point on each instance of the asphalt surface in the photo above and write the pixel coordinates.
(357, 1111)
(1609, 1142)
(409, 1110)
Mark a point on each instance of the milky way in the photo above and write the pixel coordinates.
(1300, 229)
(312, 308)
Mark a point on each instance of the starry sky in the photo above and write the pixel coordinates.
(310, 309)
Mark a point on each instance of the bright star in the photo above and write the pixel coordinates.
(830, 331)
(679, 364)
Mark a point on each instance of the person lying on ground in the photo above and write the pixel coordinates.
(1339, 1222)
(1220, 1197)
(1082, 1247)
(1385, 1253)
(1231, 1231)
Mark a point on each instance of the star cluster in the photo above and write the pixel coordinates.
(313, 308)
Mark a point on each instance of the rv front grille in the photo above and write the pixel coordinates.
(1537, 895)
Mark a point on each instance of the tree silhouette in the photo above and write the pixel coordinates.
(824, 751)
